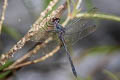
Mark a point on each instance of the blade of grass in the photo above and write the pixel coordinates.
(89, 4)
(111, 75)
(12, 32)
(6, 65)
(46, 2)
(103, 49)
(4, 74)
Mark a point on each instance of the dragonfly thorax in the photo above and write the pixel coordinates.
(57, 27)
(56, 20)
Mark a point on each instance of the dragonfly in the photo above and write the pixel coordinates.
(73, 33)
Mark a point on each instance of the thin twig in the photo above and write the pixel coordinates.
(98, 15)
(72, 14)
(79, 2)
(37, 60)
(3, 14)
(34, 51)
(29, 54)
(49, 8)
(68, 15)
(27, 37)
(26, 56)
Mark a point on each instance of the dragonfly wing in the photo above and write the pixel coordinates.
(79, 31)
(87, 31)
(40, 36)
(75, 25)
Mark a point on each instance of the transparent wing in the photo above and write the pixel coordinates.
(79, 30)
(75, 25)
(39, 37)
(80, 23)
(42, 34)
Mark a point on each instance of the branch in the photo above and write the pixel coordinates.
(3, 14)
(29, 54)
(98, 15)
(35, 61)
(32, 52)
(36, 49)
(38, 25)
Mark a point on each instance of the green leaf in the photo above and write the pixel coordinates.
(46, 2)
(103, 49)
(6, 65)
(12, 32)
(89, 4)
(4, 74)
(111, 75)
(89, 78)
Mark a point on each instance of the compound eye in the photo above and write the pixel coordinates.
(56, 19)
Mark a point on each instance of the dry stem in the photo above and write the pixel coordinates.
(3, 14)
(37, 60)
(35, 50)
(29, 54)
(59, 10)
(27, 37)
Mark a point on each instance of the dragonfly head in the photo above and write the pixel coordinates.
(55, 19)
